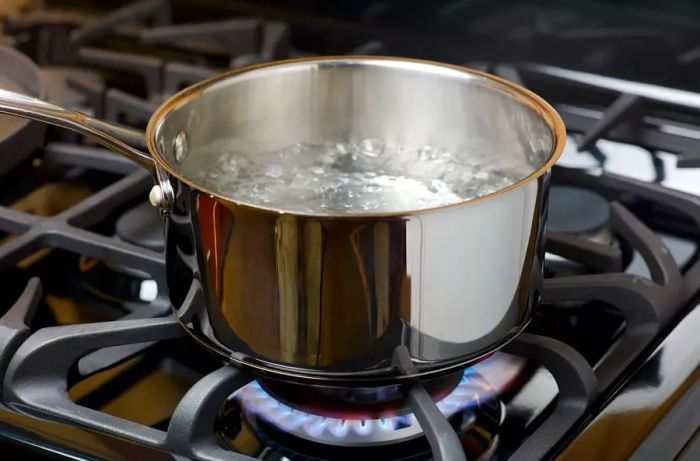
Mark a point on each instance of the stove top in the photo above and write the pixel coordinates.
(93, 365)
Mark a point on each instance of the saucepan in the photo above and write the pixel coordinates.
(330, 294)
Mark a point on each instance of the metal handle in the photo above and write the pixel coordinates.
(114, 137)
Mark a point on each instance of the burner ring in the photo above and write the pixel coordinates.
(356, 402)
(262, 409)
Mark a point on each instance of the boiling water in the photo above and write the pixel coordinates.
(367, 176)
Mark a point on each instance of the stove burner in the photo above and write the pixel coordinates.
(576, 210)
(356, 402)
(262, 409)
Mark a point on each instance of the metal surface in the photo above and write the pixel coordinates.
(18, 138)
(576, 310)
(14, 325)
(331, 297)
(443, 441)
(111, 136)
(158, 10)
(675, 430)
(577, 390)
(642, 114)
(650, 393)
(647, 91)
(189, 433)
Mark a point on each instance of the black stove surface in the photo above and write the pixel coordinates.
(94, 367)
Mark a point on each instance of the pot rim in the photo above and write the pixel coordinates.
(525, 96)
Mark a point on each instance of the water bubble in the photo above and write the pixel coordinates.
(368, 205)
(274, 171)
(301, 146)
(426, 152)
(439, 187)
(319, 170)
(372, 147)
(467, 191)
(444, 155)
(343, 148)
(327, 158)
(227, 165)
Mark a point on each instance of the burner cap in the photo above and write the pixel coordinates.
(141, 226)
(576, 210)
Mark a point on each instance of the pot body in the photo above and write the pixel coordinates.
(326, 299)
(330, 296)
(346, 297)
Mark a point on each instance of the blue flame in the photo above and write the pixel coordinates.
(257, 402)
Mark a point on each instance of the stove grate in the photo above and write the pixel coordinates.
(36, 368)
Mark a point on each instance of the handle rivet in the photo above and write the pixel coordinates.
(155, 196)
(180, 146)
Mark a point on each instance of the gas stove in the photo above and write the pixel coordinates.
(93, 365)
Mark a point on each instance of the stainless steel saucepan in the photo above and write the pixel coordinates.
(328, 297)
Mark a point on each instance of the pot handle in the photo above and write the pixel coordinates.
(114, 137)
(119, 139)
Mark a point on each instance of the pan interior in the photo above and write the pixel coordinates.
(355, 136)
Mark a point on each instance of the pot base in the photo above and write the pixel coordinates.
(376, 377)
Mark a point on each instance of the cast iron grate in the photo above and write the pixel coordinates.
(654, 117)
